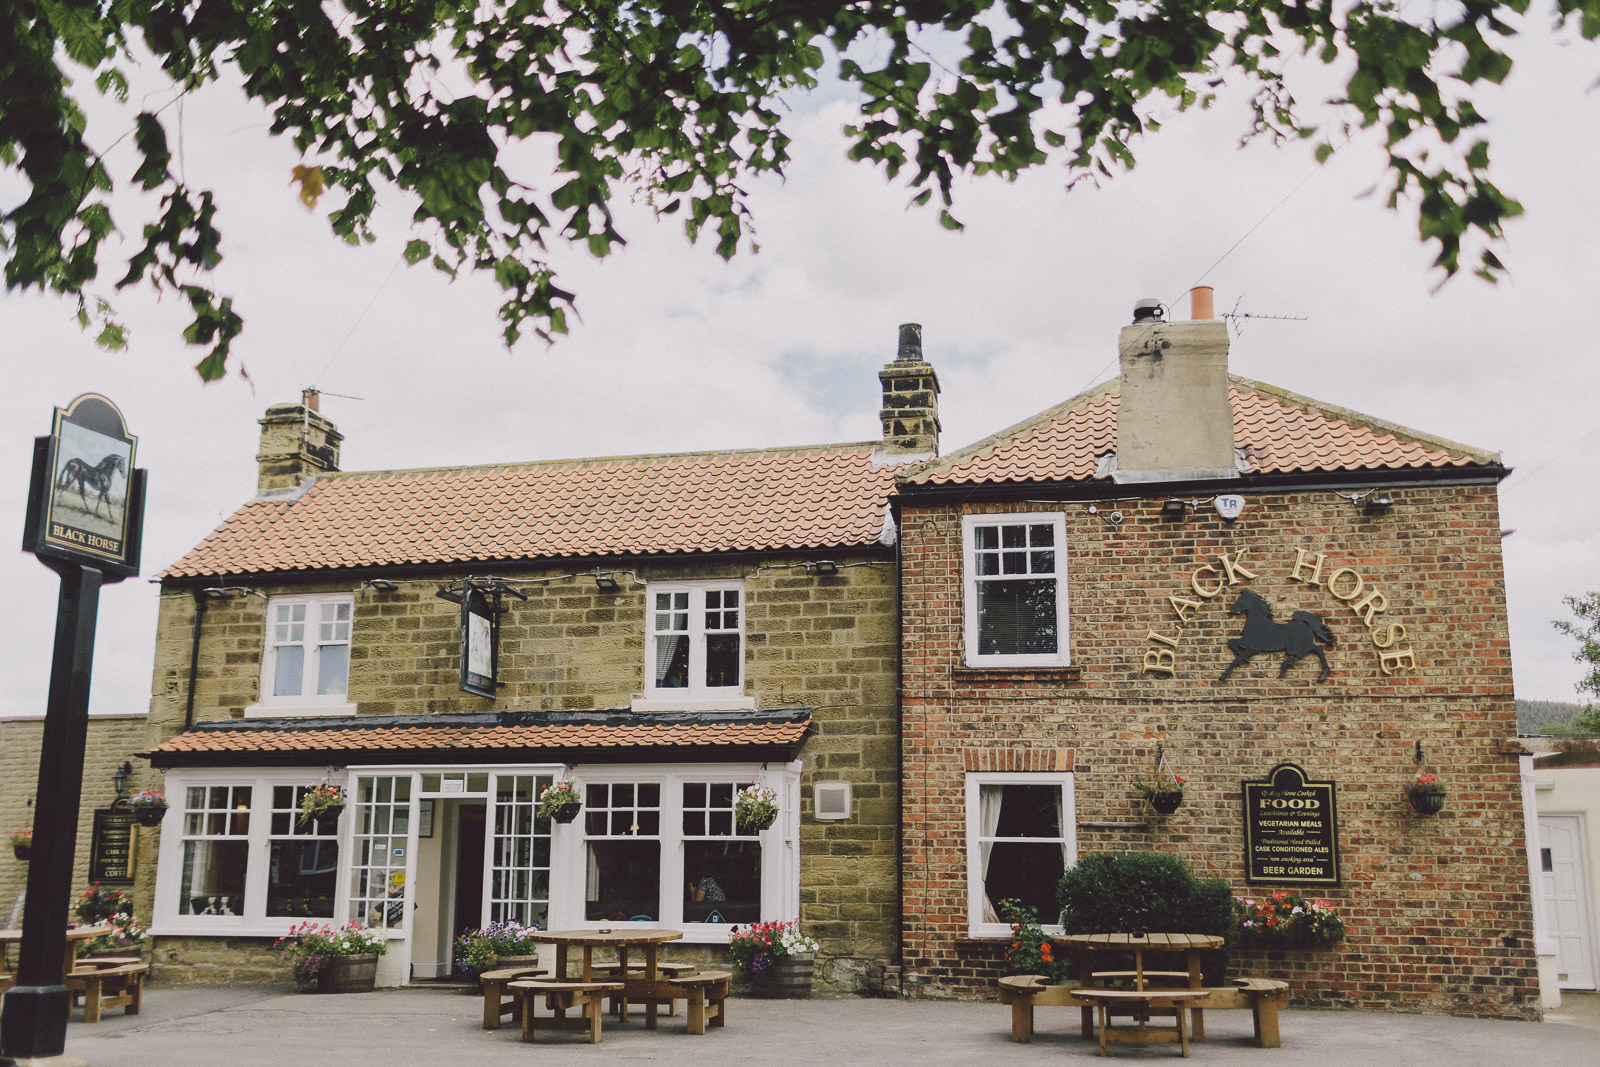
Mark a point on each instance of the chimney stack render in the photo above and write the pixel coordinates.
(1175, 422)
(296, 443)
(910, 412)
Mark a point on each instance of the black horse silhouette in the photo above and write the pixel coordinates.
(97, 478)
(1296, 639)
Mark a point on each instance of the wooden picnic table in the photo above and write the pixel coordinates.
(76, 936)
(644, 983)
(1190, 945)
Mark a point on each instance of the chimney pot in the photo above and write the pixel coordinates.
(1147, 310)
(1200, 306)
(309, 398)
(910, 343)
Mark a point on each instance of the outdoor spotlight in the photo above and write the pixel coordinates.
(1174, 509)
(216, 593)
(382, 585)
(1378, 503)
(605, 583)
(119, 777)
(825, 566)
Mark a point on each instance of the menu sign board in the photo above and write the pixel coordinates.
(1291, 829)
(111, 847)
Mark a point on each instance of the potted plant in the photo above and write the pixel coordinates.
(22, 844)
(1029, 951)
(322, 804)
(1286, 918)
(124, 938)
(1426, 793)
(502, 944)
(328, 959)
(148, 806)
(775, 956)
(97, 903)
(559, 801)
(1162, 790)
(755, 808)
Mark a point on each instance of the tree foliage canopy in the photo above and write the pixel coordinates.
(1587, 632)
(682, 100)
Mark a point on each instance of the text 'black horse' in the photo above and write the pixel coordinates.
(1296, 639)
(97, 478)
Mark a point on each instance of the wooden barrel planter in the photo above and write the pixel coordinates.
(348, 974)
(788, 978)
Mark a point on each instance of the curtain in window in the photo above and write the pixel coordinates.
(990, 798)
(668, 647)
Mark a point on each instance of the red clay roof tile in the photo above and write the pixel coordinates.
(1283, 433)
(823, 497)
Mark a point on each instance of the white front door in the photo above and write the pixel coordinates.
(1564, 889)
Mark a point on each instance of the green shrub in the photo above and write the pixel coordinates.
(1146, 892)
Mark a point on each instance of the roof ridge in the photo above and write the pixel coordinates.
(1010, 434)
(1356, 418)
(841, 447)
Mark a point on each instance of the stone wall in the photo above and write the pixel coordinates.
(1437, 908)
(827, 642)
(110, 740)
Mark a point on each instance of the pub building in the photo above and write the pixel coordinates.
(1294, 607)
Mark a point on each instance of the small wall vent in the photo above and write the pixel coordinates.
(831, 800)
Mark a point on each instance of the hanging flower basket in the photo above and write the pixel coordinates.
(1425, 793)
(1166, 803)
(560, 801)
(22, 852)
(327, 821)
(22, 844)
(148, 806)
(322, 804)
(755, 808)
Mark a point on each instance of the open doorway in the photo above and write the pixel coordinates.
(470, 825)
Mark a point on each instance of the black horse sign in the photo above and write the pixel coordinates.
(86, 499)
(1298, 638)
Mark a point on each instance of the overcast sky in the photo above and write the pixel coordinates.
(676, 350)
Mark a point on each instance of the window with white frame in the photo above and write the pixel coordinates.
(306, 659)
(664, 848)
(237, 856)
(1015, 569)
(1020, 840)
(696, 640)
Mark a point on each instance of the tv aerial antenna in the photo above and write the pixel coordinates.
(1237, 319)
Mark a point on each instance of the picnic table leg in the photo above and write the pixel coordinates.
(651, 954)
(592, 1009)
(1022, 1019)
(1085, 978)
(697, 1009)
(1183, 1033)
(1197, 1018)
(1105, 1019)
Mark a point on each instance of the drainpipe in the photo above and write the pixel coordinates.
(194, 655)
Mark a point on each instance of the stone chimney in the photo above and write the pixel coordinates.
(910, 410)
(296, 443)
(1175, 422)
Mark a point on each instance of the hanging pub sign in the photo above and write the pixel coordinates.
(1291, 829)
(480, 642)
(86, 499)
(111, 846)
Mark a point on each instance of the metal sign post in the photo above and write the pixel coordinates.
(81, 528)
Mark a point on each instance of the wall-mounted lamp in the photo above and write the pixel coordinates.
(119, 777)
(605, 583)
(1377, 503)
(825, 566)
(382, 585)
(230, 592)
(1173, 509)
(216, 593)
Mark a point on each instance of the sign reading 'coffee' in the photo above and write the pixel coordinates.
(1291, 829)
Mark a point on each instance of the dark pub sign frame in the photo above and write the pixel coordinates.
(86, 498)
(480, 642)
(1291, 829)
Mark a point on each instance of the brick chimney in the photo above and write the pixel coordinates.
(1175, 422)
(910, 411)
(296, 443)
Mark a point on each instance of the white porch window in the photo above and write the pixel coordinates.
(378, 850)
(1020, 840)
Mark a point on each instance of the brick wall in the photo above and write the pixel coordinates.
(110, 740)
(827, 642)
(1437, 908)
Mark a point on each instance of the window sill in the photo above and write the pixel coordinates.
(1064, 672)
(239, 926)
(693, 704)
(297, 711)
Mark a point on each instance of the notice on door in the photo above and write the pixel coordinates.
(1291, 829)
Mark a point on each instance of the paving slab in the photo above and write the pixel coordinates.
(243, 1027)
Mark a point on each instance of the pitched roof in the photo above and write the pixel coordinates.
(821, 497)
(617, 735)
(1281, 433)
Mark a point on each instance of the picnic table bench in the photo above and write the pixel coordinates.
(560, 997)
(119, 985)
(1262, 996)
(707, 996)
(497, 1003)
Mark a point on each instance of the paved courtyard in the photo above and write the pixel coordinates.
(241, 1027)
